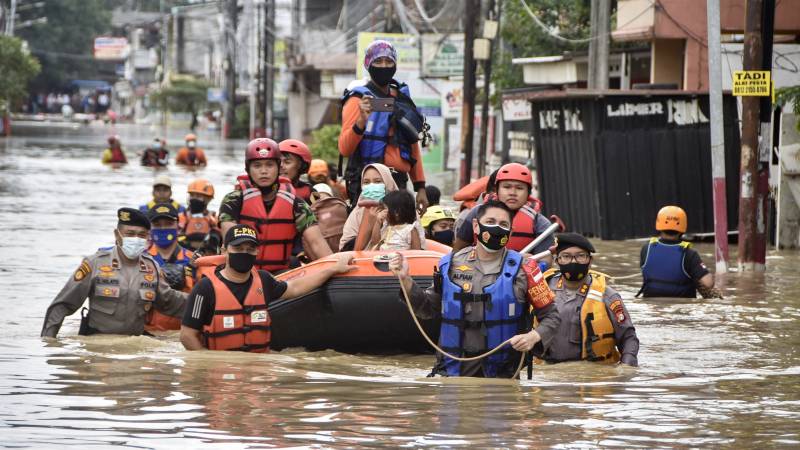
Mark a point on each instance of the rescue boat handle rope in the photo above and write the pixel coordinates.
(442, 351)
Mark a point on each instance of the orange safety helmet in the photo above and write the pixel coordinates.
(318, 167)
(514, 172)
(201, 186)
(190, 137)
(296, 147)
(671, 218)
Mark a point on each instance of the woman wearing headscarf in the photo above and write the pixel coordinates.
(376, 181)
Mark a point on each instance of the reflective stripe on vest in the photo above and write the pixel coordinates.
(663, 271)
(523, 228)
(276, 230)
(236, 326)
(373, 143)
(501, 314)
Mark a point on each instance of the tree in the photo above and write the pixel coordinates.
(325, 143)
(568, 18)
(17, 68)
(65, 43)
(183, 93)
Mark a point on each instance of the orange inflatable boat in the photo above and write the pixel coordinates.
(357, 312)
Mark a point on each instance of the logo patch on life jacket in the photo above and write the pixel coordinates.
(258, 316)
(227, 322)
(618, 310)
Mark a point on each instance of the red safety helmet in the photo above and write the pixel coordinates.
(514, 172)
(296, 147)
(262, 148)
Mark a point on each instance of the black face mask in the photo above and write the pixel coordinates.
(445, 237)
(196, 205)
(493, 237)
(574, 271)
(382, 75)
(241, 262)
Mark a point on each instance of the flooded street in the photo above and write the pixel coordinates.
(712, 373)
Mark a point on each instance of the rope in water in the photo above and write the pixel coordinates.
(442, 351)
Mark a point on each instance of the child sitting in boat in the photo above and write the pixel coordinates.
(396, 227)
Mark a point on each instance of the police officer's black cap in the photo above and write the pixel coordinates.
(163, 210)
(133, 217)
(239, 234)
(567, 240)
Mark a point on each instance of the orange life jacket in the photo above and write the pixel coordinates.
(523, 228)
(197, 228)
(303, 191)
(276, 229)
(158, 321)
(236, 326)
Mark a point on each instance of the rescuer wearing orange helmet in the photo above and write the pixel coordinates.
(191, 155)
(320, 172)
(197, 222)
(295, 161)
(228, 309)
(267, 203)
(670, 266)
(513, 185)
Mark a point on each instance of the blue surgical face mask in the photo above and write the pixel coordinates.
(156, 145)
(164, 237)
(374, 191)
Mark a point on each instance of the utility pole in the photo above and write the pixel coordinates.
(491, 14)
(748, 175)
(598, 46)
(765, 143)
(717, 126)
(269, 69)
(230, 11)
(468, 105)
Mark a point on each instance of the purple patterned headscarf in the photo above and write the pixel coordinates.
(378, 49)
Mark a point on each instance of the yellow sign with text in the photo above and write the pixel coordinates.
(752, 83)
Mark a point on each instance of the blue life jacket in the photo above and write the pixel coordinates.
(501, 314)
(373, 143)
(663, 271)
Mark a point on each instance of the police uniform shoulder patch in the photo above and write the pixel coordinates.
(82, 271)
(618, 310)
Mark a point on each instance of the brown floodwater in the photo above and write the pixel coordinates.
(713, 373)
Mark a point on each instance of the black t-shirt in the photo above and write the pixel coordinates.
(692, 263)
(202, 301)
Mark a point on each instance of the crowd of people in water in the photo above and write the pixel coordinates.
(504, 279)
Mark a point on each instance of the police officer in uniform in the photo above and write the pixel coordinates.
(595, 325)
(122, 283)
(483, 293)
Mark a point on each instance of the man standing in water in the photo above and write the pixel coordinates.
(228, 309)
(122, 283)
(265, 204)
(670, 266)
(595, 325)
(482, 294)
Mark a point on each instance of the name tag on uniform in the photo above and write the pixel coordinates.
(258, 316)
(512, 308)
(227, 322)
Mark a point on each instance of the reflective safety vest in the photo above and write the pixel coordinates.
(663, 272)
(236, 326)
(597, 330)
(376, 133)
(156, 320)
(523, 228)
(276, 229)
(501, 316)
(197, 226)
